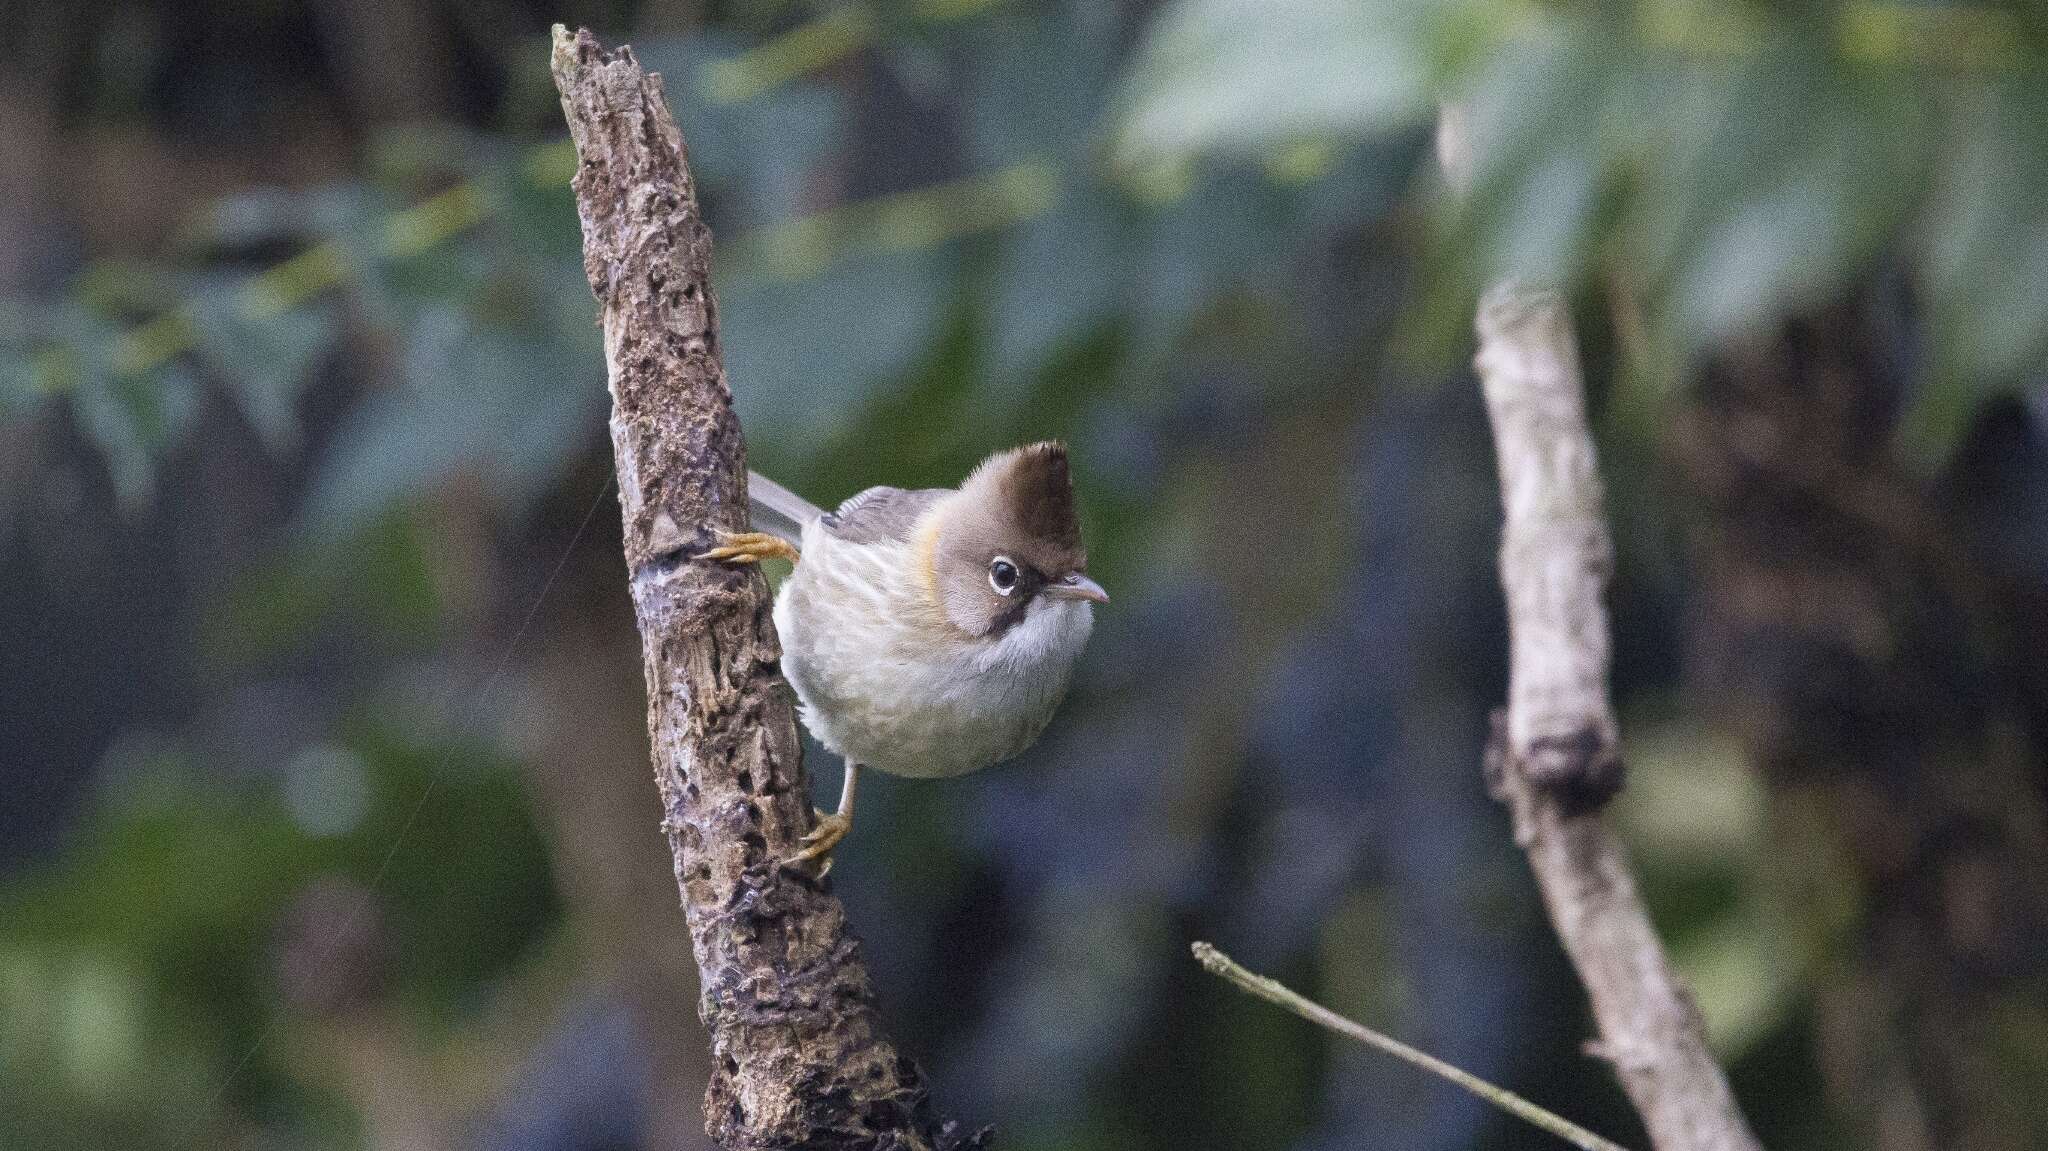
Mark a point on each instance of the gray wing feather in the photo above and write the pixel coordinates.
(877, 515)
(777, 510)
(881, 515)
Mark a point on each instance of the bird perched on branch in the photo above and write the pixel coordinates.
(927, 633)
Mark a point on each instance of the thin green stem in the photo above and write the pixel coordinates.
(1275, 992)
(796, 249)
(801, 50)
(922, 218)
(814, 45)
(793, 250)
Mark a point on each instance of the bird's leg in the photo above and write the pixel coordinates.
(831, 828)
(750, 547)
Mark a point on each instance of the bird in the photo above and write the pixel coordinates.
(926, 632)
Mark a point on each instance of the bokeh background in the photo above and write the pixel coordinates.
(325, 815)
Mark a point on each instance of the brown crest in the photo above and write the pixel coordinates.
(1018, 506)
(1031, 488)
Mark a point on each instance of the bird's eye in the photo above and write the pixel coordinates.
(1002, 575)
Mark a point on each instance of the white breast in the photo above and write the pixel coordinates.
(857, 631)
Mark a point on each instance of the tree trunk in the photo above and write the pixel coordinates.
(799, 1059)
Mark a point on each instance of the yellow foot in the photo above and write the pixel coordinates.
(831, 828)
(820, 840)
(750, 547)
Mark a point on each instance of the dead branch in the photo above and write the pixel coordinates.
(798, 1054)
(1555, 756)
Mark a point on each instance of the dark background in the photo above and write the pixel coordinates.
(325, 815)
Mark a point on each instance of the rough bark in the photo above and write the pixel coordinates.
(799, 1059)
(1555, 754)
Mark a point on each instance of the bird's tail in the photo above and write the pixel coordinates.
(777, 510)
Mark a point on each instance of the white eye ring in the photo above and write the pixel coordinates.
(1002, 575)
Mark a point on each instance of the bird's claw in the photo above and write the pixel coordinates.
(820, 840)
(750, 547)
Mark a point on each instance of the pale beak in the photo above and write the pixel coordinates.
(1074, 585)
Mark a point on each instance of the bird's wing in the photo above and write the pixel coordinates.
(777, 510)
(881, 515)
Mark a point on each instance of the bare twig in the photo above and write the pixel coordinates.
(1555, 758)
(1275, 992)
(799, 1058)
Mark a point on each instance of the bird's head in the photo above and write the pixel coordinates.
(1008, 545)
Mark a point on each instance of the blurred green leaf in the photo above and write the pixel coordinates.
(1695, 815)
(266, 361)
(250, 218)
(1987, 251)
(141, 966)
(804, 354)
(1535, 134)
(1245, 75)
(132, 419)
(505, 406)
(1735, 166)
(1816, 169)
(1034, 85)
(375, 578)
